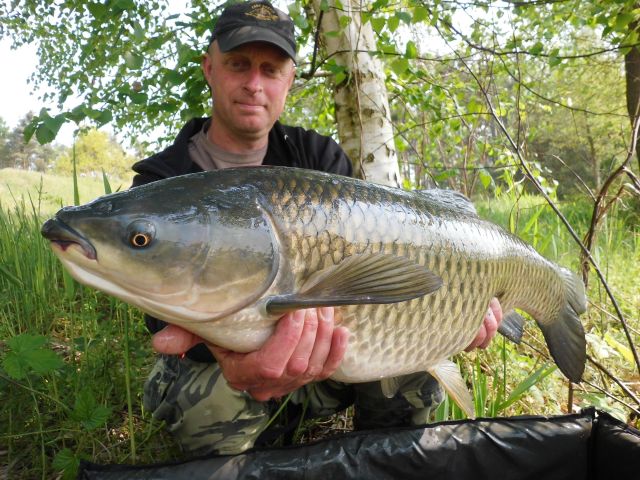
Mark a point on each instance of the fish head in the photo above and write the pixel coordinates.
(178, 255)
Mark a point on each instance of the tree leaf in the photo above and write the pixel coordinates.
(104, 117)
(622, 21)
(139, 98)
(339, 77)
(536, 49)
(54, 123)
(98, 10)
(174, 77)
(44, 135)
(404, 17)
(378, 23)
(400, 65)
(393, 23)
(411, 51)
(420, 14)
(485, 178)
(122, 5)
(77, 114)
(30, 129)
(445, 175)
(474, 106)
(554, 61)
(133, 61)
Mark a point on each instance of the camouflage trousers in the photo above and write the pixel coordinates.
(205, 415)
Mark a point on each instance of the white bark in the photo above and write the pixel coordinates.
(361, 102)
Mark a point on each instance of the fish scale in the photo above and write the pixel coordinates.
(410, 273)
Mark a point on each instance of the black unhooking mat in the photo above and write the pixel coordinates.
(591, 445)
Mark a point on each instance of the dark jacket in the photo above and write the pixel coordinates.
(288, 146)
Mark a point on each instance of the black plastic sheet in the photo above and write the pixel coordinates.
(591, 445)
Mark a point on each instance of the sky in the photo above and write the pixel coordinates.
(17, 98)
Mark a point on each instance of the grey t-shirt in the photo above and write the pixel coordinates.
(209, 156)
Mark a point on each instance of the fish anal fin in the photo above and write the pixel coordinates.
(448, 375)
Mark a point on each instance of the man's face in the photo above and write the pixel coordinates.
(249, 86)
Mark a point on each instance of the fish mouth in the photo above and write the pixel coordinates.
(61, 234)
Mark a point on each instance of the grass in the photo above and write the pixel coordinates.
(48, 192)
(73, 361)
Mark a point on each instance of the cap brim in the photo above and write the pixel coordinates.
(239, 36)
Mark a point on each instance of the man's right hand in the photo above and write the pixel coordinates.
(305, 347)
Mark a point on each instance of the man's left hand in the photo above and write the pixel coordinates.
(489, 327)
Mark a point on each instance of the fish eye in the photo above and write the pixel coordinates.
(140, 239)
(140, 234)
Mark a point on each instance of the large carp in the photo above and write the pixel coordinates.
(225, 253)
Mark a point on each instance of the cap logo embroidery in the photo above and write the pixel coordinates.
(262, 12)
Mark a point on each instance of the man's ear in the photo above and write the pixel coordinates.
(207, 67)
(293, 76)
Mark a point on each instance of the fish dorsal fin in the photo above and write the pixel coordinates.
(448, 375)
(512, 326)
(371, 278)
(450, 200)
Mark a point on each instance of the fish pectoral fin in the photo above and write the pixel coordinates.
(448, 375)
(390, 386)
(372, 278)
(512, 326)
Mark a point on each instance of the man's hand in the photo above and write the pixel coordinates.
(489, 327)
(304, 348)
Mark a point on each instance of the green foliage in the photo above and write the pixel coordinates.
(16, 152)
(63, 370)
(28, 354)
(47, 192)
(129, 63)
(539, 66)
(66, 462)
(95, 153)
(87, 412)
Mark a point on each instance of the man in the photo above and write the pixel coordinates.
(215, 400)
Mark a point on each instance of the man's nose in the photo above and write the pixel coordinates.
(253, 81)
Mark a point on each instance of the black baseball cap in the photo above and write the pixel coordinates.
(255, 21)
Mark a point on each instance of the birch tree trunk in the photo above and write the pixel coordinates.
(361, 102)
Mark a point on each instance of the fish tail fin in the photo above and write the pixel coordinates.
(565, 334)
